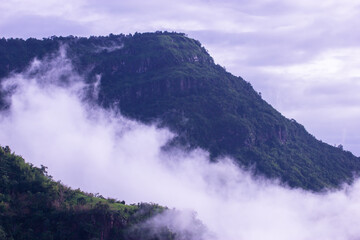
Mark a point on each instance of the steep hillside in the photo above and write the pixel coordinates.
(33, 206)
(171, 79)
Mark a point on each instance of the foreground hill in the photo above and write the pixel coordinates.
(171, 79)
(33, 206)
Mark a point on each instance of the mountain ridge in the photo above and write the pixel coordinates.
(34, 206)
(170, 78)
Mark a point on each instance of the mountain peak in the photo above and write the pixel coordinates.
(171, 79)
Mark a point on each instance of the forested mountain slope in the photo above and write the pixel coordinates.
(33, 206)
(171, 79)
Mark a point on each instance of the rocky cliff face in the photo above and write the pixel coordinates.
(171, 79)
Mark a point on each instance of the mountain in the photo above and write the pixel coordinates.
(33, 206)
(171, 79)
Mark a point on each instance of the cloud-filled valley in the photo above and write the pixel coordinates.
(50, 122)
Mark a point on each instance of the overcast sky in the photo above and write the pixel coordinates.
(303, 56)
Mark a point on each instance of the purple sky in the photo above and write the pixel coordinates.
(303, 56)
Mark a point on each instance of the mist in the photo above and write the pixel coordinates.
(51, 122)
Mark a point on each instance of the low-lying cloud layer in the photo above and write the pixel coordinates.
(98, 150)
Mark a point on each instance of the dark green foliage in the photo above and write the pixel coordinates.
(32, 206)
(171, 79)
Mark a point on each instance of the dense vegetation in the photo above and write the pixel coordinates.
(171, 79)
(33, 206)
